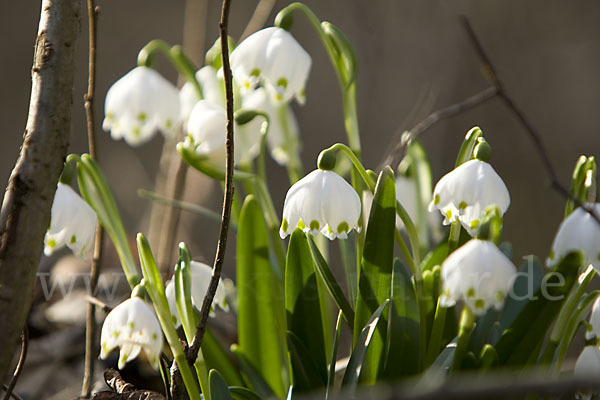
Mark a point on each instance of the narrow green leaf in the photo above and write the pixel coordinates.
(241, 393)
(252, 375)
(216, 357)
(442, 364)
(421, 170)
(357, 359)
(435, 256)
(528, 281)
(188, 154)
(302, 304)
(333, 358)
(261, 312)
(375, 278)
(217, 386)
(332, 285)
(307, 376)
(521, 341)
(403, 330)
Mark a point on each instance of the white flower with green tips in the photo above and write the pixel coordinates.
(282, 137)
(579, 231)
(72, 223)
(323, 202)
(477, 273)
(213, 90)
(201, 275)
(273, 57)
(593, 329)
(206, 127)
(587, 366)
(132, 326)
(464, 193)
(139, 104)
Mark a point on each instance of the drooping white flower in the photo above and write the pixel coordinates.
(72, 223)
(132, 326)
(478, 273)
(201, 274)
(464, 193)
(579, 231)
(323, 202)
(272, 56)
(588, 366)
(212, 90)
(594, 327)
(282, 137)
(139, 104)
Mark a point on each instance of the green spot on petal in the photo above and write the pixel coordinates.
(284, 225)
(436, 200)
(51, 243)
(499, 296)
(480, 304)
(301, 224)
(154, 337)
(474, 224)
(168, 123)
(136, 131)
(282, 82)
(314, 225)
(449, 214)
(73, 239)
(343, 227)
(471, 292)
(142, 117)
(552, 254)
(462, 205)
(116, 334)
(255, 72)
(131, 324)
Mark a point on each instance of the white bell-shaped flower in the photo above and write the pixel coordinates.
(579, 231)
(323, 202)
(282, 137)
(464, 193)
(212, 90)
(201, 274)
(139, 104)
(478, 273)
(587, 366)
(132, 326)
(72, 223)
(207, 128)
(593, 330)
(272, 56)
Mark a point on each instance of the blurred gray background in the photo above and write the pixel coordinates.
(546, 52)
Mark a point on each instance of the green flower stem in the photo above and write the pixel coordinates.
(94, 189)
(437, 331)
(467, 323)
(294, 166)
(567, 310)
(346, 82)
(454, 236)
(156, 291)
(175, 55)
(356, 162)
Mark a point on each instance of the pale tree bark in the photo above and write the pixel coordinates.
(25, 213)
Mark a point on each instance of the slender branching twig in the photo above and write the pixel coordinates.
(228, 197)
(490, 73)
(97, 302)
(24, 344)
(90, 322)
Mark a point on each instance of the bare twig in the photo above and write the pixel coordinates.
(19, 368)
(25, 214)
(448, 112)
(192, 353)
(97, 302)
(90, 321)
(490, 73)
(259, 17)
(13, 394)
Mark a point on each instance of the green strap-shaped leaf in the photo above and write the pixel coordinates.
(261, 330)
(303, 310)
(521, 341)
(251, 375)
(403, 330)
(217, 386)
(306, 374)
(216, 357)
(241, 393)
(332, 285)
(357, 360)
(333, 358)
(375, 278)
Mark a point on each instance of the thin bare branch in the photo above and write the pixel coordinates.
(25, 214)
(20, 364)
(490, 73)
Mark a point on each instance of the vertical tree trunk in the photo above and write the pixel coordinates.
(25, 213)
